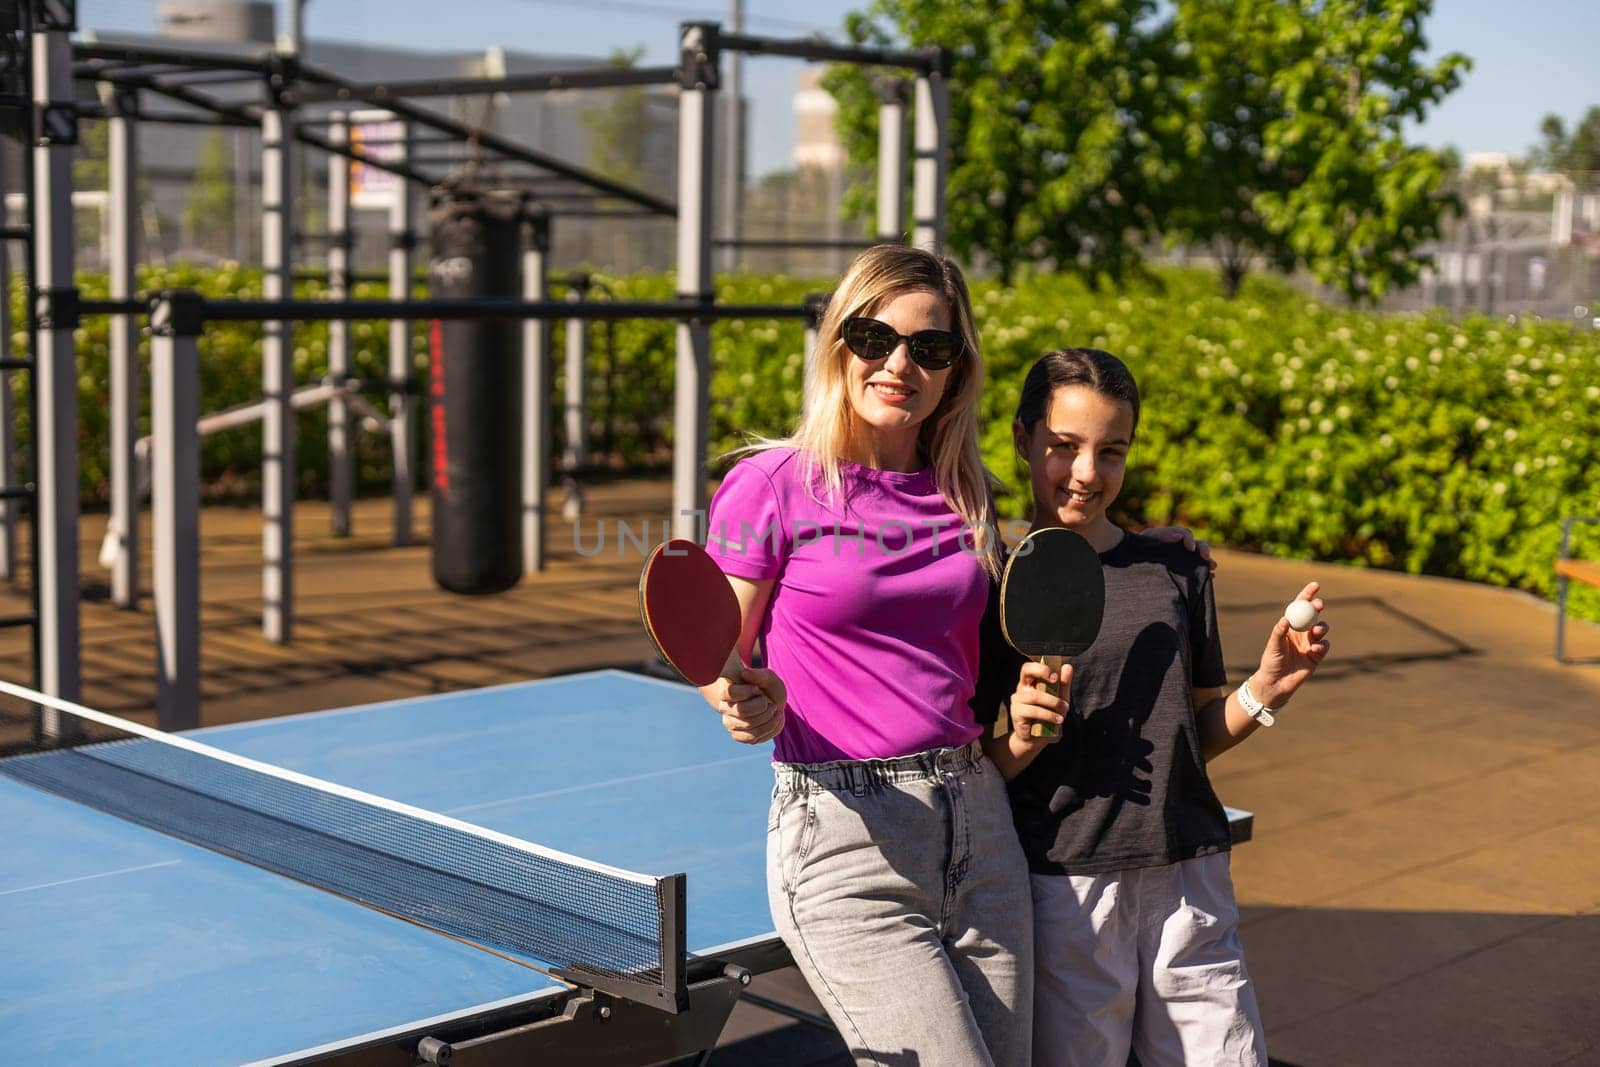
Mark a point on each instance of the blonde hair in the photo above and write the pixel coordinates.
(948, 436)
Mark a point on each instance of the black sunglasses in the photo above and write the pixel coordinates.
(872, 340)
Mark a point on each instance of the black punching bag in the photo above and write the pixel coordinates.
(475, 392)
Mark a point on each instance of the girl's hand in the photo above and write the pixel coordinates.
(1185, 536)
(1291, 657)
(1030, 704)
(752, 709)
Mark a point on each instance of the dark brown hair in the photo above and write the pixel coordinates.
(1100, 371)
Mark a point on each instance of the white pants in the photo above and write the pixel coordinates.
(1145, 959)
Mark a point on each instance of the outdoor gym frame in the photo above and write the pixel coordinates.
(552, 187)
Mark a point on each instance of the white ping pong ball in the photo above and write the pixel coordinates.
(1301, 615)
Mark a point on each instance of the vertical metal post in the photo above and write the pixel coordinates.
(277, 384)
(816, 305)
(575, 457)
(341, 460)
(928, 179)
(55, 364)
(692, 385)
(176, 321)
(401, 409)
(536, 428)
(733, 170)
(8, 433)
(891, 160)
(123, 210)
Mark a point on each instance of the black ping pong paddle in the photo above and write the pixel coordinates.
(691, 612)
(1052, 601)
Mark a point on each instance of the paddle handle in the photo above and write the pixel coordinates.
(733, 669)
(1054, 665)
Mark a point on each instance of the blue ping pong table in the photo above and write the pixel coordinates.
(122, 945)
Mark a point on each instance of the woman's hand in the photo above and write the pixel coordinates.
(752, 709)
(1184, 536)
(1031, 705)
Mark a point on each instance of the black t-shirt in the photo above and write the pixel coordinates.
(1130, 748)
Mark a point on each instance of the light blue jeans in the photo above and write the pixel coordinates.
(902, 893)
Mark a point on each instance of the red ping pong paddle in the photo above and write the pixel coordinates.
(1052, 601)
(691, 612)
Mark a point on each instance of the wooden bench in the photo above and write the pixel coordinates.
(1570, 570)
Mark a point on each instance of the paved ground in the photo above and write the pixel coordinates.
(1424, 886)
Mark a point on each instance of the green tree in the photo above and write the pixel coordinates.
(1051, 157)
(209, 214)
(1579, 152)
(619, 127)
(1293, 139)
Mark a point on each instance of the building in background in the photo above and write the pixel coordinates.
(201, 187)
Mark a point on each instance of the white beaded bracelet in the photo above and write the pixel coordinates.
(1256, 710)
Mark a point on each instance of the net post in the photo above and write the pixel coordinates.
(674, 941)
(176, 321)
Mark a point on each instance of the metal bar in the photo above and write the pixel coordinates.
(250, 116)
(18, 492)
(816, 306)
(175, 507)
(124, 211)
(101, 71)
(10, 622)
(687, 309)
(190, 76)
(892, 161)
(731, 192)
(144, 55)
(277, 381)
(184, 95)
(133, 306)
(382, 94)
(401, 406)
(505, 147)
(341, 459)
(536, 428)
(932, 157)
(917, 59)
(9, 475)
(796, 243)
(692, 385)
(576, 454)
(15, 233)
(56, 384)
(173, 118)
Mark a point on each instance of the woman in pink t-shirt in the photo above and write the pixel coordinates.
(862, 549)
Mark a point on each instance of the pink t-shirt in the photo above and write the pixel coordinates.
(874, 614)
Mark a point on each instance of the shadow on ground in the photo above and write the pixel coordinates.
(1341, 987)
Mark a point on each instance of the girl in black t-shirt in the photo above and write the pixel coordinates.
(1136, 941)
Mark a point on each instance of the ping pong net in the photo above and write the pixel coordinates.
(583, 922)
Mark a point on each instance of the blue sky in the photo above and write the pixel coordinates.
(1530, 58)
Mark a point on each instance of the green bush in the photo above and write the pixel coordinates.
(230, 374)
(1271, 421)
(1278, 423)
